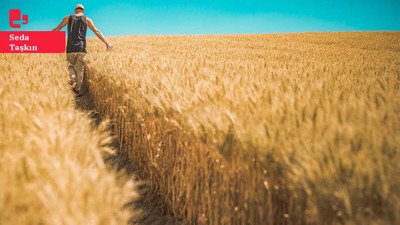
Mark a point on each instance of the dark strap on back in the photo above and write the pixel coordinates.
(76, 34)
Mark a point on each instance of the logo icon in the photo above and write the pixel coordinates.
(15, 15)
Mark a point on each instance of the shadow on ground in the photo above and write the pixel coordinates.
(147, 202)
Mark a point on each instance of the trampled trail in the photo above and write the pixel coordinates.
(146, 205)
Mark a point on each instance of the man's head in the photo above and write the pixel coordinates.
(79, 8)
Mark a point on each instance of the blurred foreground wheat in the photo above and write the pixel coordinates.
(51, 165)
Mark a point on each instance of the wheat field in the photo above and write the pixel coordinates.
(299, 128)
(51, 159)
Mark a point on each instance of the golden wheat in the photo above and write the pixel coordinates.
(259, 129)
(51, 165)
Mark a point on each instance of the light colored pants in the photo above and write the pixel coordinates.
(76, 67)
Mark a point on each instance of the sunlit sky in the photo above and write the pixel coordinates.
(114, 18)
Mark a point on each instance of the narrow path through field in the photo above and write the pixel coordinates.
(151, 213)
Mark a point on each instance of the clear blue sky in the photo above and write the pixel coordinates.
(114, 18)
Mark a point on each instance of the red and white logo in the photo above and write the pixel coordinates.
(29, 41)
(15, 15)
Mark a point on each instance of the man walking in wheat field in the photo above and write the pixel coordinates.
(76, 44)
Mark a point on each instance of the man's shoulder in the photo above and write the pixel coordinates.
(89, 21)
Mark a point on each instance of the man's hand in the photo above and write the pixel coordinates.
(109, 47)
(90, 24)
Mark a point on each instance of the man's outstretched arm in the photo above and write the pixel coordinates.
(90, 24)
(62, 24)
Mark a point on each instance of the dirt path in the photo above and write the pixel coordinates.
(151, 213)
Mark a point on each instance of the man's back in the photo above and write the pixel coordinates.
(76, 33)
(76, 44)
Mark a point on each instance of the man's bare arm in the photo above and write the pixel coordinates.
(90, 24)
(62, 24)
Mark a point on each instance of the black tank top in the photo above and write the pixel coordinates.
(76, 34)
